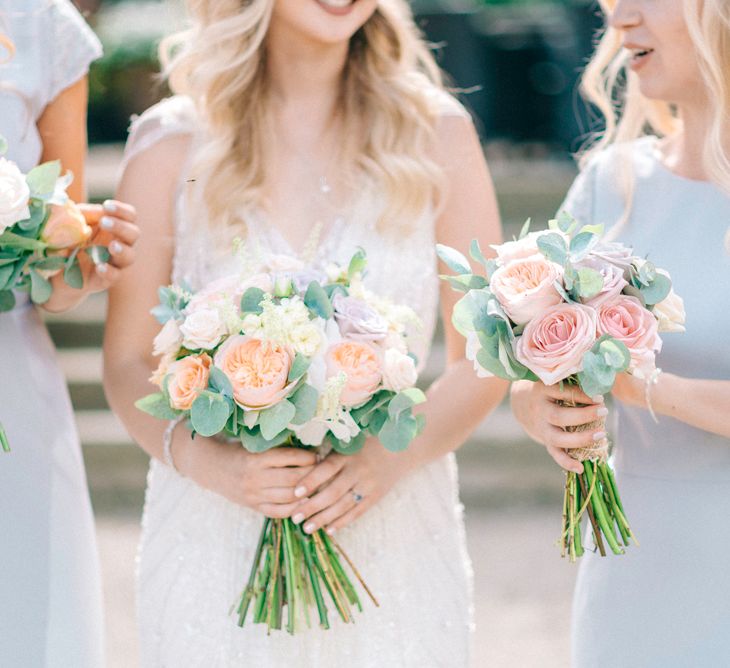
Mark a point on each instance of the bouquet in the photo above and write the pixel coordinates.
(564, 305)
(42, 233)
(289, 356)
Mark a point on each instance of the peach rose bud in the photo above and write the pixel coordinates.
(188, 378)
(526, 287)
(258, 371)
(361, 364)
(66, 228)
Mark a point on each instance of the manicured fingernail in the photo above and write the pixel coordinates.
(298, 518)
(330, 531)
(598, 399)
(309, 528)
(110, 206)
(115, 247)
(107, 223)
(299, 492)
(102, 268)
(599, 436)
(602, 411)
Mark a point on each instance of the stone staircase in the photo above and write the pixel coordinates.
(498, 466)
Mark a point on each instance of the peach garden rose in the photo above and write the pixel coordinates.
(258, 371)
(361, 363)
(188, 377)
(67, 227)
(552, 345)
(526, 287)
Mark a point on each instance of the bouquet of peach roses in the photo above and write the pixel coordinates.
(300, 358)
(565, 306)
(42, 233)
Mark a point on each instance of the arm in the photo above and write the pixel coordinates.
(458, 400)
(62, 128)
(265, 481)
(704, 404)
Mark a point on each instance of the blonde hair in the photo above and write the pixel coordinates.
(387, 87)
(628, 114)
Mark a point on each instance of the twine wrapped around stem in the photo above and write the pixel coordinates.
(598, 452)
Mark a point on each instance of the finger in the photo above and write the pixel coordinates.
(564, 460)
(121, 254)
(93, 213)
(120, 210)
(279, 495)
(280, 457)
(330, 495)
(571, 393)
(107, 275)
(349, 517)
(117, 228)
(330, 515)
(277, 511)
(565, 416)
(284, 477)
(323, 472)
(570, 440)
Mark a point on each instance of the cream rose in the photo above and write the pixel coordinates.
(66, 227)
(553, 344)
(399, 371)
(14, 195)
(522, 248)
(258, 371)
(670, 313)
(203, 329)
(188, 377)
(627, 320)
(361, 365)
(168, 339)
(526, 287)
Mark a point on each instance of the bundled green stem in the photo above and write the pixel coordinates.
(291, 568)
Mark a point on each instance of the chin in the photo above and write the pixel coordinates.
(327, 22)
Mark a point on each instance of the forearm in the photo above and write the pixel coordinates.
(704, 404)
(457, 403)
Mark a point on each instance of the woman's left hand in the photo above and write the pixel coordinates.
(343, 487)
(630, 390)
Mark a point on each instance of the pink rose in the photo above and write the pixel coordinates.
(362, 366)
(258, 371)
(625, 319)
(227, 289)
(526, 287)
(554, 343)
(613, 281)
(523, 248)
(188, 378)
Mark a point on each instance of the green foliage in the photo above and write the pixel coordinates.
(276, 419)
(453, 259)
(601, 364)
(157, 405)
(318, 302)
(210, 412)
(251, 301)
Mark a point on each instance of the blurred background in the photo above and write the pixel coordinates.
(516, 65)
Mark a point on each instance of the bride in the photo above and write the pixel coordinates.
(306, 128)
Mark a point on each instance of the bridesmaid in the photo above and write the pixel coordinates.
(667, 603)
(50, 594)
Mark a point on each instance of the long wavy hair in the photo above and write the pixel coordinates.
(614, 90)
(387, 87)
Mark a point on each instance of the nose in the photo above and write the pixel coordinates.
(625, 14)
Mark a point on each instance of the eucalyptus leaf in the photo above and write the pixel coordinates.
(98, 254)
(589, 282)
(351, 447)
(396, 434)
(453, 259)
(377, 420)
(6, 274)
(7, 301)
(305, 402)
(593, 229)
(405, 400)
(12, 240)
(596, 377)
(219, 382)
(3, 145)
(251, 301)
(525, 228)
(50, 264)
(566, 223)
(42, 179)
(553, 247)
(475, 251)
(470, 310)
(38, 214)
(361, 414)
(72, 274)
(157, 405)
(632, 291)
(317, 301)
(615, 353)
(209, 413)
(657, 291)
(274, 420)
(581, 244)
(358, 263)
(40, 288)
(299, 367)
(253, 441)
(466, 282)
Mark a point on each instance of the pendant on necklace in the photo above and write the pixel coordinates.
(324, 186)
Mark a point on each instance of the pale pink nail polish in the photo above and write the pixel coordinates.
(330, 532)
(110, 206)
(115, 247)
(602, 411)
(298, 518)
(599, 436)
(309, 528)
(598, 399)
(299, 492)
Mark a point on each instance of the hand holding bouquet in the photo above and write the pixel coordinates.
(564, 306)
(296, 358)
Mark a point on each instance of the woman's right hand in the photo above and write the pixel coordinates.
(264, 482)
(536, 407)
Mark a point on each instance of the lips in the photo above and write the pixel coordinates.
(336, 4)
(638, 53)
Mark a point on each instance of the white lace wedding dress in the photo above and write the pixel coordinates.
(197, 547)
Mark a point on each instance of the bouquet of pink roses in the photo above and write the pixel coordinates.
(42, 233)
(565, 306)
(297, 357)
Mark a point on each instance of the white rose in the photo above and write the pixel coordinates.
(14, 195)
(251, 324)
(399, 371)
(203, 329)
(396, 341)
(306, 340)
(670, 313)
(168, 341)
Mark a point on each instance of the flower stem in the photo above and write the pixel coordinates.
(4, 439)
(589, 508)
(249, 591)
(314, 579)
(290, 582)
(355, 571)
(601, 514)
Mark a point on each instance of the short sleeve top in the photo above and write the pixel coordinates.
(54, 47)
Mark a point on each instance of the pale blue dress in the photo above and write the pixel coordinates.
(665, 604)
(50, 593)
